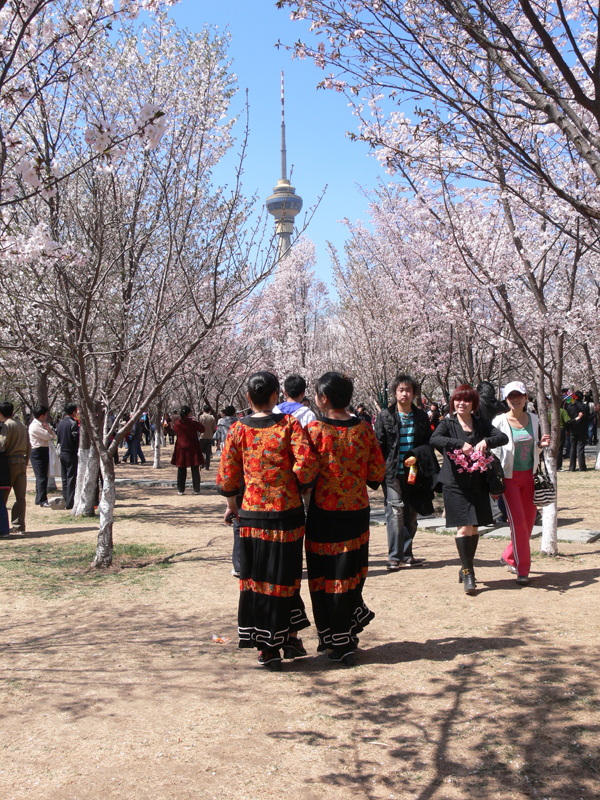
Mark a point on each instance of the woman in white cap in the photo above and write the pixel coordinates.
(519, 460)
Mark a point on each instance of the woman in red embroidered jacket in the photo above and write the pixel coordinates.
(337, 525)
(267, 458)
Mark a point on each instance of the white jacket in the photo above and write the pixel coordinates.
(506, 454)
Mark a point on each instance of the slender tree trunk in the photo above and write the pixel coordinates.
(104, 547)
(84, 505)
(157, 448)
(549, 544)
(42, 389)
(83, 458)
(158, 429)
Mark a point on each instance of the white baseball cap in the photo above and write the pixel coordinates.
(515, 386)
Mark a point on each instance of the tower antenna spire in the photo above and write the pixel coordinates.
(284, 204)
(283, 150)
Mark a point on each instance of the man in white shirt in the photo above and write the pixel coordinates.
(40, 436)
(294, 389)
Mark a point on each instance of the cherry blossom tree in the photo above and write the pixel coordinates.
(290, 323)
(146, 257)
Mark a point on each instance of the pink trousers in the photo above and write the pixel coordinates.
(521, 516)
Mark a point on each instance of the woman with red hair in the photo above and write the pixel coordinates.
(464, 440)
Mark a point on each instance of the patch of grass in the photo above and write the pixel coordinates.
(54, 570)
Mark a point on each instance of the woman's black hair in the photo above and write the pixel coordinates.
(228, 411)
(337, 388)
(261, 386)
(184, 411)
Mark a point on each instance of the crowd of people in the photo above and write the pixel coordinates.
(295, 477)
(289, 474)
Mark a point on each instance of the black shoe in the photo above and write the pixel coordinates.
(294, 648)
(4, 535)
(342, 655)
(467, 577)
(270, 659)
(523, 580)
(393, 566)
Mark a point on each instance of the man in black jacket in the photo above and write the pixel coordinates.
(578, 429)
(489, 405)
(67, 434)
(399, 429)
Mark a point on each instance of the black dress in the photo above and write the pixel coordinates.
(466, 494)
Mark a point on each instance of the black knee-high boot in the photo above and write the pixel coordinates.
(466, 574)
(474, 542)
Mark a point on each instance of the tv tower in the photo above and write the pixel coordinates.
(284, 203)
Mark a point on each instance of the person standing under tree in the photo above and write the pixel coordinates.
(400, 428)
(67, 434)
(337, 523)
(294, 389)
(187, 452)
(210, 426)
(40, 436)
(270, 456)
(14, 442)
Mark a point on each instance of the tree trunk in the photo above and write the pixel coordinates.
(42, 389)
(158, 434)
(85, 503)
(104, 547)
(83, 457)
(549, 544)
(157, 446)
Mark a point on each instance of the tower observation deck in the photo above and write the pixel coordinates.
(284, 203)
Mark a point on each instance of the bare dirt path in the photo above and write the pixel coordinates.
(111, 685)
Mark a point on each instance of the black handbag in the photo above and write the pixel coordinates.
(544, 491)
(495, 477)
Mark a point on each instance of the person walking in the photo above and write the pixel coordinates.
(519, 459)
(40, 438)
(294, 389)
(267, 459)
(4, 490)
(67, 434)
(14, 442)
(210, 426)
(337, 522)
(224, 424)
(464, 440)
(399, 429)
(577, 426)
(136, 444)
(187, 452)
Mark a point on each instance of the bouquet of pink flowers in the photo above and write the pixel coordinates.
(475, 461)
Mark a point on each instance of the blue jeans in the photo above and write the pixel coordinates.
(400, 521)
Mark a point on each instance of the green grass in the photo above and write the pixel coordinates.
(55, 569)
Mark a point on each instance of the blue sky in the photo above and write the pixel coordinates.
(316, 121)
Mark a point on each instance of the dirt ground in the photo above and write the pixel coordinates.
(111, 685)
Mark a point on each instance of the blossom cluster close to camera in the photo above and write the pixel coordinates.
(475, 461)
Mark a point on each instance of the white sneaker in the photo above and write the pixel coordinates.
(235, 574)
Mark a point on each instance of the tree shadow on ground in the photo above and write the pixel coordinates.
(545, 581)
(54, 532)
(509, 717)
